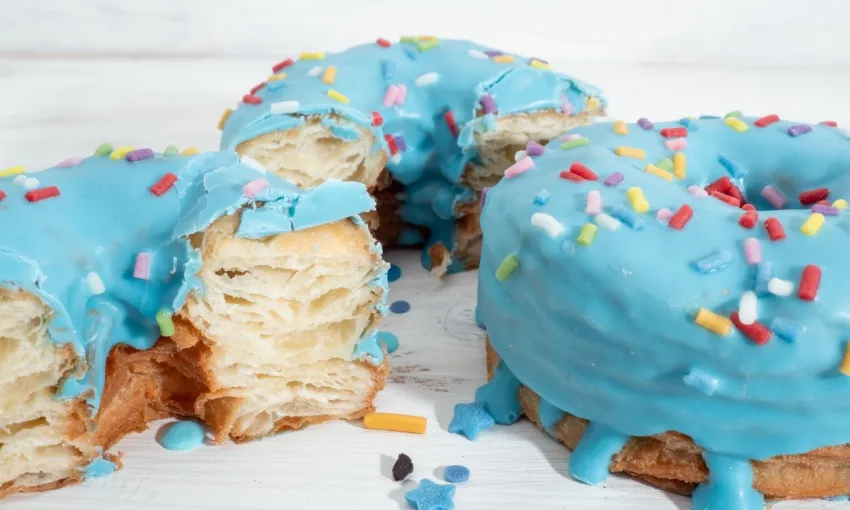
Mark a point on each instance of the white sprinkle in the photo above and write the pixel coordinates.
(664, 215)
(316, 71)
(552, 226)
(519, 155)
(253, 163)
(779, 287)
(697, 191)
(748, 308)
(20, 180)
(31, 183)
(396, 159)
(477, 54)
(427, 79)
(95, 283)
(283, 107)
(607, 222)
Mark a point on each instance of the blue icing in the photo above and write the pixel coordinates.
(549, 416)
(613, 325)
(106, 215)
(99, 467)
(435, 159)
(183, 435)
(499, 396)
(592, 456)
(730, 485)
(369, 349)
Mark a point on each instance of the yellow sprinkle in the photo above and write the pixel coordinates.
(224, 117)
(15, 170)
(713, 322)
(588, 232)
(427, 44)
(592, 103)
(621, 128)
(658, 172)
(277, 77)
(120, 152)
(845, 363)
(536, 64)
(316, 55)
(630, 152)
(330, 75)
(333, 94)
(813, 223)
(737, 124)
(407, 39)
(840, 203)
(427, 37)
(189, 151)
(679, 165)
(503, 59)
(636, 198)
(395, 422)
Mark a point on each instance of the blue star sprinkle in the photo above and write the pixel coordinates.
(431, 496)
(470, 419)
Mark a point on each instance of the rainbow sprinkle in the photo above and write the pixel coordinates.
(715, 262)
(507, 267)
(189, 151)
(679, 165)
(139, 155)
(607, 222)
(316, 55)
(786, 329)
(752, 251)
(614, 179)
(330, 75)
(142, 267)
(104, 149)
(251, 189)
(15, 170)
(798, 130)
(165, 322)
(333, 94)
(630, 152)
(572, 144)
(629, 218)
(521, 166)
(224, 117)
(70, 162)
(637, 199)
(713, 322)
(658, 172)
(504, 59)
(645, 123)
(284, 107)
(621, 128)
(170, 151)
(548, 223)
(588, 232)
(594, 202)
(812, 224)
(840, 204)
(120, 153)
(737, 124)
(774, 197)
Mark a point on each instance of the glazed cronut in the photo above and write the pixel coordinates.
(310, 154)
(266, 347)
(671, 461)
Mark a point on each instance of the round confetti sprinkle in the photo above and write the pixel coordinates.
(400, 306)
(456, 474)
(394, 273)
(388, 339)
(183, 435)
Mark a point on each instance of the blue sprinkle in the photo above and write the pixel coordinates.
(388, 69)
(183, 435)
(734, 170)
(714, 262)
(412, 53)
(706, 117)
(786, 329)
(400, 306)
(764, 272)
(702, 380)
(388, 339)
(470, 419)
(431, 496)
(689, 123)
(275, 85)
(98, 468)
(394, 273)
(456, 474)
(630, 218)
(542, 197)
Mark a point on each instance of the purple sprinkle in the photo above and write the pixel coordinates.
(488, 103)
(400, 306)
(800, 129)
(493, 53)
(74, 161)
(774, 196)
(826, 210)
(539, 60)
(484, 195)
(534, 149)
(139, 154)
(645, 123)
(614, 179)
(400, 143)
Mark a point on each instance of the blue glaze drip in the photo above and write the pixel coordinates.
(729, 486)
(592, 456)
(369, 349)
(99, 467)
(549, 416)
(432, 167)
(183, 435)
(499, 396)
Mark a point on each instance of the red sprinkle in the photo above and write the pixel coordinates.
(2, 195)
(823, 202)
(735, 193)
(252, 99)
(42, 193)
(257, 87)
(758, 333)
(774, 229)
(391, 142)
(809, 283)
(767, 120)
(749, 219)
(377, 120)
(721, 185)
(734, 202)
(566, 174)
(681, 218)
(281, 65)
(813, 196)
(748, 207)
(450, 121)
(676, 132)
(383, 43)
(830, 123)
(164, 184)
(583, 172)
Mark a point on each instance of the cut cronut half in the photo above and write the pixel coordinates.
(671, 461)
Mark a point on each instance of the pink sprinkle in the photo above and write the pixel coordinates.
(402, 95)
(143, 266)
(521, 166)
(74, 161)
(594, 202)
(570, 137)
(391, 96)
(774, 196)
(566, 105)
(252, 188)
(752, 251)
(697, 191)
(663, 215)
(676, 144)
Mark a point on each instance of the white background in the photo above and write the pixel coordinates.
(75, 73)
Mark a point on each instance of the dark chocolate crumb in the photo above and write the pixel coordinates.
(403, 466)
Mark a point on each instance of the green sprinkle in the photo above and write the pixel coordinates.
(166, 325)
(507, 267)
(572, 144)
(428, 44)
(408, 39)
(588, 232)
(735, 113)
(105, 149)
(171, 151)
(665, 164)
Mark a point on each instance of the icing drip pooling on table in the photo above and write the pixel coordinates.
(704, 320)
(104, 241)
(423, 100)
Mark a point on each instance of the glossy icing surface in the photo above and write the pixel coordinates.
(606, 330)
(439, 76)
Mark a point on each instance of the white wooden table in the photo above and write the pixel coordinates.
(54, 108)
